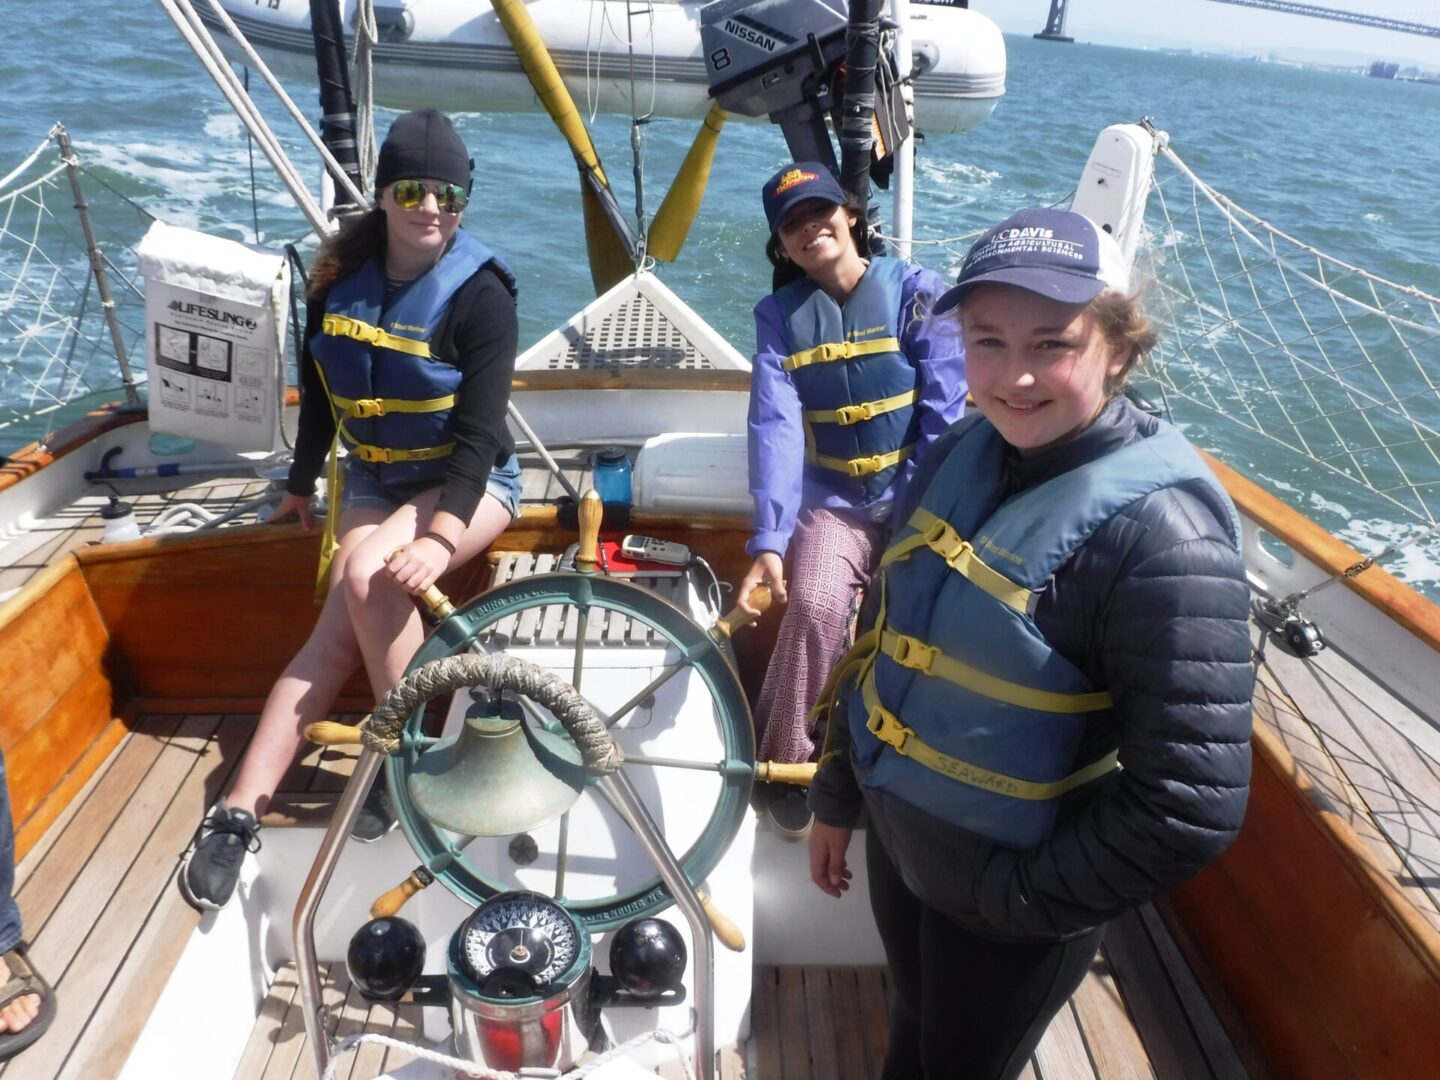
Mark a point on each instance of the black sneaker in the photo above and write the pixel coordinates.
(376, 818)
(788, 813)
(210, 872)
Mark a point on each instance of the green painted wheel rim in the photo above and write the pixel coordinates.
(732, 719)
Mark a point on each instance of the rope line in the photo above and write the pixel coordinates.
(465, 1067)
(362, 65)
(381, 730)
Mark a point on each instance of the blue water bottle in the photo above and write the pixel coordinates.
(611, 476)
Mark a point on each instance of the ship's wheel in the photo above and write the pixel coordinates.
(697, 788)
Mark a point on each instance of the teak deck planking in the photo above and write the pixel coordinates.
(109, 867)
(1239, 911)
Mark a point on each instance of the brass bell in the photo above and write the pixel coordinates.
(497, 775)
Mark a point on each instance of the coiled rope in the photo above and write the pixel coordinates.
(381, 730)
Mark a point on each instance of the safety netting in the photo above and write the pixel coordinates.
(57, 348)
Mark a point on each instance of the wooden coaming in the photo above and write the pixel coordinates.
(30, 459)
(212, 618)
(62, 690)
(1335, 974)
(209, 622)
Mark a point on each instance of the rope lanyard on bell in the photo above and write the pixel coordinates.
(381, 730)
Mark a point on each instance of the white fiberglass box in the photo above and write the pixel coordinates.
(693, 472)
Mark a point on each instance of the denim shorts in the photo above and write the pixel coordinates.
(362, 487)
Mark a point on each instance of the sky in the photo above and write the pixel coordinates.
(1203, 24)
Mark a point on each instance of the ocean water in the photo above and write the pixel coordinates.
(1346, 163)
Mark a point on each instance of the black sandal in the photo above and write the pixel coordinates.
(24, 979)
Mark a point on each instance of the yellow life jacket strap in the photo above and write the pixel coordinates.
(861, 466)
(335, 476)
(911, 652)
(386, 455)
(887, 727)
(865, 410)
(364, 408)
(960, 555)
(334, 484)
(344, 326)
(839, 350)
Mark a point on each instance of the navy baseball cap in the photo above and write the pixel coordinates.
(794, 184)
(1056, 253)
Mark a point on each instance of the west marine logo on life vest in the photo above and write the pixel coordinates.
(792, 178)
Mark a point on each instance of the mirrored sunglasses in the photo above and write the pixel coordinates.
(408, 194)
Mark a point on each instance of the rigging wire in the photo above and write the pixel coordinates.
(250, 150)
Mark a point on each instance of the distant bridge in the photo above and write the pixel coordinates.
(1055, 25)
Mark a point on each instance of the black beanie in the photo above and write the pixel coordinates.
(423, 145)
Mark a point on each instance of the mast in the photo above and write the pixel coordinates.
(337, 102)
(857, 107)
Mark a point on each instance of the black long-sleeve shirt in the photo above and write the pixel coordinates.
(479, 335)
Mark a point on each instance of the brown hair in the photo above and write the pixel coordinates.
(1122, 319)
(786, 271)
(343, 253)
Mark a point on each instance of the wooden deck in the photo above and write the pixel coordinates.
(80, 523)
(1139, 1013)
(97, 895)
(108, 925)
(279, 1050)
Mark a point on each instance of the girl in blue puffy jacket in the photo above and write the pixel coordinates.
(1047, 716)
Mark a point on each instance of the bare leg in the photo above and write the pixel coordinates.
(310, 683)
(366, 618)
(389, 630)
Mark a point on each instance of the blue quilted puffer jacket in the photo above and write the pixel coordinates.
(1154, 607)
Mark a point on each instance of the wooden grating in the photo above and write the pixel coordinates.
(558, 624)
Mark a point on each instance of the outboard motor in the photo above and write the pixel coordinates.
(783, 59)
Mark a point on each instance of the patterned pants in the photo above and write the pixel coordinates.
(832, 557)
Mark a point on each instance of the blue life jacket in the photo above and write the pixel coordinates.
(392, 398)
(962, 708)
(857, 387)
